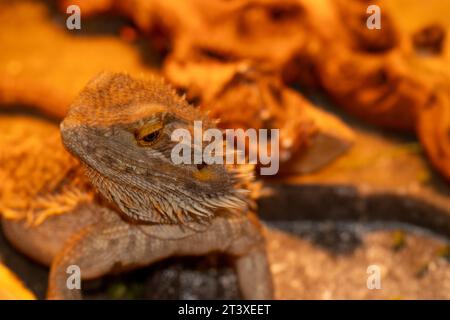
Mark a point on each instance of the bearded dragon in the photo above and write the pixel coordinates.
(115, 200)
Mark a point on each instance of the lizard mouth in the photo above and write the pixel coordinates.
(168, 206)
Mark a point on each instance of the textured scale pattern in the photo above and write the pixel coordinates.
(113, 203)
(37, 181)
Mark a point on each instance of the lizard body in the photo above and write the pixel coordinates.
(116, 201)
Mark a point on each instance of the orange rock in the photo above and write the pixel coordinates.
(434, 132)
(11, 288)
(244, 96)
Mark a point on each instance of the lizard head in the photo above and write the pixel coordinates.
(120, 128)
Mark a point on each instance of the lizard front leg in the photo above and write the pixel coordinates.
(99, 248)
(241, 237)
(252, 265)
(255, 280)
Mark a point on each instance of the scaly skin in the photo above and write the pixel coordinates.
(118, 202)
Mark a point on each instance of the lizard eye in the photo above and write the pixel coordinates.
(149, 134)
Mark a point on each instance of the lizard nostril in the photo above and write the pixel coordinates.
(200, 166)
